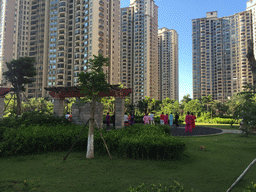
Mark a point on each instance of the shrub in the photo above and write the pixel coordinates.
(145, 141)
(140, 141)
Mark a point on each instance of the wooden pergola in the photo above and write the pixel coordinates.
(60, 93)
(65, 92)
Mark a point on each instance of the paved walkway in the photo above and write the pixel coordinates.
(198, 131)
(201, 131)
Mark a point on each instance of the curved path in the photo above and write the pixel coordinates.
(198, 131)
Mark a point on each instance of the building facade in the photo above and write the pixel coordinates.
(139, 45)
(14, 24)
(168, 64)
(251, 5)
(38, 46)
(220, 66)
(78, 30)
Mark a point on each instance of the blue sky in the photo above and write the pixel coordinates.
(177, 15)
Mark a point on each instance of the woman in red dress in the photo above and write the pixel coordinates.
(188, 121)
(193, 121)
(166, 119)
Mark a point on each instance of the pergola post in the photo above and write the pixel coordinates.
(1, 107)
(119, 112)
(58, 107)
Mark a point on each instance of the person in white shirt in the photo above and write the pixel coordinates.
(125, 118)
(67, 115)
(152, 121)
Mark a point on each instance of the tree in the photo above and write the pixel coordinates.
(207, 100)
(142, 106)
(20, 72)
(92, 82)
(251, 58)
(186, 98)
(247, 110)
(193, 106)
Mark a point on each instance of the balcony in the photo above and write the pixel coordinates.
(62, 4)
(101, 33)
(101, 9)
(61, 43)
(62, 10)
(60, 71)
(101, 39)
(101, 27)
(62, 21)
(101, 3)
(100, 45)
(101, 21)
(101, 15)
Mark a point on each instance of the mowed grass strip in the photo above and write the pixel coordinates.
(213, 170)
(219, 126)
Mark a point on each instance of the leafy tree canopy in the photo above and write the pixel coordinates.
(20, 72)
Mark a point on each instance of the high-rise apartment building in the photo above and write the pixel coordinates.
(139, 45)
(251, 5)
(220, 66)
(79, 29)
(38, 46)
(168, 64)
(14, 23)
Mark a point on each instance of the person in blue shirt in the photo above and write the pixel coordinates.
(171, 119)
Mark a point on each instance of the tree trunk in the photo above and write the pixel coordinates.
(18, 104)
(90, 144)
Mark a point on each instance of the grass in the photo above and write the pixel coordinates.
(219, 126)
(213, 170)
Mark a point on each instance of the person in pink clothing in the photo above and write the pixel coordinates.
(146, 119)
(188, 121)
(166, 119)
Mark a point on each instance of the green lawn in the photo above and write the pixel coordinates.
(220, 126)
(213, 170)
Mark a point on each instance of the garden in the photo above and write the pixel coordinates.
(40, 152)
(143, 158)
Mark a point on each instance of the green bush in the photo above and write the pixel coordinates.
(175, 187)
(147, 141)
(139, 141)
(30, 118)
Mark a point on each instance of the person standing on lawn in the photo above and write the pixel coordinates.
(126, 118)
(67, 115)
(166, 119)
(129, 118)
(113, 118)
(152, 122)
(193, 121)
(132, 118)
(162, 118)
(146, 119)
(107, 119)
(177, 120)
(171, 119)
(188, 121)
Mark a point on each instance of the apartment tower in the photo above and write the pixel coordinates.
(251, 5)
(168, 64)
(139, 58)
(38, 46)
(220, 66)
(79, 29)
(14, 24)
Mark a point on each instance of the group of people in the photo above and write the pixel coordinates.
(190, 122)
(164, 119)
